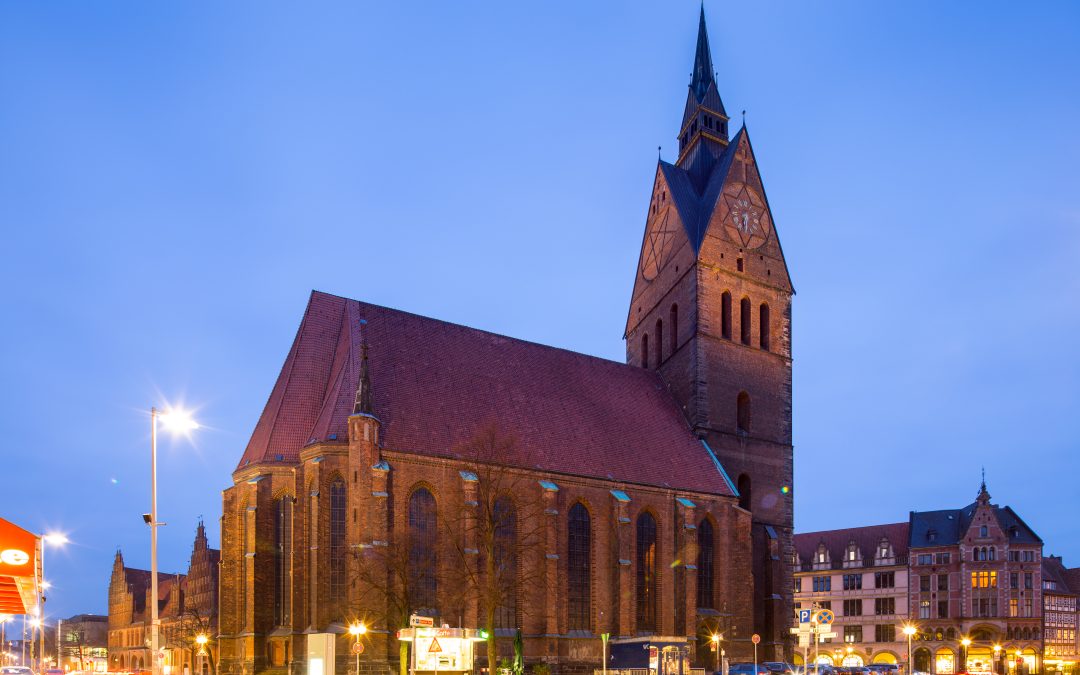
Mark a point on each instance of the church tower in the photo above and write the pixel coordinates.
(711, 313)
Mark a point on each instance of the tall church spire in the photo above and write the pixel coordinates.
(704, 123)
(703, 67)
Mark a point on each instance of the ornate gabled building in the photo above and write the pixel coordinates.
(661, 486)
(187, 607)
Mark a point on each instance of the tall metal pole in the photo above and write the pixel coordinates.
(910, 669)
(59, 623)
(155, 667)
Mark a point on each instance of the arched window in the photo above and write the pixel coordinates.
(505, 522)
(578, 567)
(659, 342)
(673, 320)
(283, 560)
(992, 553)
(742, 413)
(647, 586)
(645, 350)
(422, 548)
(705, 567)
(338, 508)
(313, 551)
(725, 315)
(242, 519)
(744, 488)
(763, 326)
(744, 320)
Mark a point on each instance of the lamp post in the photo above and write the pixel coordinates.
(4, 618)
(909, 631)
(357, 629)
(716, 648)
(178, 422)
(966, 642)
(997, 658)
(201, 640)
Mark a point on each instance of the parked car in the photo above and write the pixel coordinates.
(780, 668)
(747, 669)
(16, 670)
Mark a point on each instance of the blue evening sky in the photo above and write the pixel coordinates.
(175, 178)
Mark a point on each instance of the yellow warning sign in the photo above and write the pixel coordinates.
(435, 646)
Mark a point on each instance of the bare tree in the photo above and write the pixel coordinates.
(193, 621)
(497, 534)
(386, 578)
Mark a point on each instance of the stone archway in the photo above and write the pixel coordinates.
(885, 657)
(944, 661)
(921, 656)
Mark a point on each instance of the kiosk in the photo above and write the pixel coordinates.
(661, 655)
(440, 650)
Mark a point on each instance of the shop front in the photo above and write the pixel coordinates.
(19, 570)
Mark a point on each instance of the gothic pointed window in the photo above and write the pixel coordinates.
(422, 551)
(744, 320)
(725, 315)
(673, 321)
(742, 413)
(579, 587)
(763, 326)
(645, 350)
(283, 528)
(505, 550)
(646, 586)
(745, 502)
(338, 508)
(659, 342)
(705, 559)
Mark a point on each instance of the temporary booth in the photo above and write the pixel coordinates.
(661, 655)
(440, 650)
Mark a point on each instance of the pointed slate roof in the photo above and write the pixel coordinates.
(949, 526)
(434, 385)
(696, 187)
(703, 66)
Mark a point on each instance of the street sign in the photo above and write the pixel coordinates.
(825, 616)
(421, 621)
(435, 646)
(827, 636)
(755, 638)
(804, 615)
(358, 648)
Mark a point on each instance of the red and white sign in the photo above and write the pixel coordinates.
(755, 638)
(358, 648)
(435, 646)
(421, 621)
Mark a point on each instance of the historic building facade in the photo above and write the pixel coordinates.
(187, 607)
(970, 580)
(648, 498)
(1061, 622)
(861, 574)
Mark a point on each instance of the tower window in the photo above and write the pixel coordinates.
(645, 350)
(659, 342)
(742, 413)
(725, 315)
(738, 264)
(745, 501)
(763, 326)
(674, 321)
(744, 320)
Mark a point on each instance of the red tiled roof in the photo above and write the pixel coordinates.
(436, 384)
(866, 538)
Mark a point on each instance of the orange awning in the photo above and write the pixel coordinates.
(18, 569)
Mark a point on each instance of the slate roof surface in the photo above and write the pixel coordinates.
(696, 188)
(1054, 570)
(866, 538)
(436, 384)
(950, 526)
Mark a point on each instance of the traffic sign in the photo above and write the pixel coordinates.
(422, 621)
(435, 646)
(358, 648)
(827, 636)
(825, 616)
(804, 615)
(755, 638)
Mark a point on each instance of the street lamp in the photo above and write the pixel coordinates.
(997, 658)
(53, 539)
(178, 422)
(966, 642)
(716, 648)
(201, 640)
(356, 629)
(909, 631)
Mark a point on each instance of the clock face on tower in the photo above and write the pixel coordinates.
(747, 220)
(658, 243)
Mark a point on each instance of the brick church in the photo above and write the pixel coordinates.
(646, 498)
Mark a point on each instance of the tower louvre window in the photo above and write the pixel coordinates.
(763, 326)
(674, 322)
(739, 264)
(725, 315)
(742, 413)
(744, 320)
(659, 341)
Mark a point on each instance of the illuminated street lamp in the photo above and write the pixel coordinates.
(997, 657)
(178, 422)
(909, 631)
(966, 642)
(356, 629)
(716, 648)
